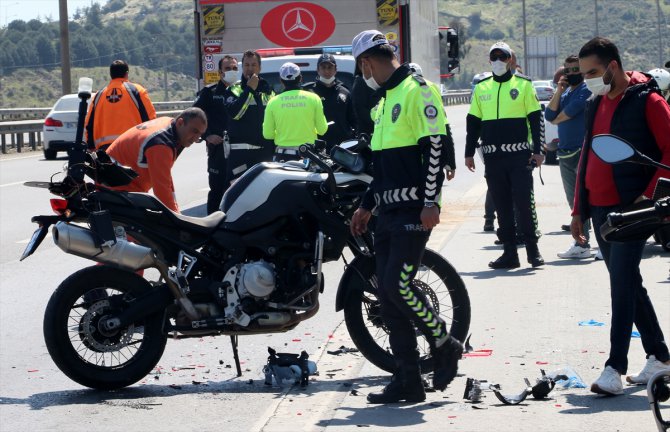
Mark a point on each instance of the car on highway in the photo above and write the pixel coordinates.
(60, 126)
(544, 89)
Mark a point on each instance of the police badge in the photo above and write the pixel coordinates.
(514, 93)
(430, 111)
(395, 113)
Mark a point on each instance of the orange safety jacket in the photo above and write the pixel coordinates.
(115, 109)
(150, 149)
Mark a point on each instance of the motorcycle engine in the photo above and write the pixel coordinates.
(257, 279)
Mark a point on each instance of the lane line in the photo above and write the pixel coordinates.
(14, 183)
(19, 158)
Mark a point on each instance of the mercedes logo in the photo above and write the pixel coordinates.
(295, 28)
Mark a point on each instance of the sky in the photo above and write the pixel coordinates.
(26, 10)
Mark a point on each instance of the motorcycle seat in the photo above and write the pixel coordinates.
(205, 225)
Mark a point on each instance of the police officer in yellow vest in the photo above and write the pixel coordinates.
(408, 146)
(294, 117)
(504, 114)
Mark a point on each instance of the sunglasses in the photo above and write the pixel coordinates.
(500, 56)
(571, 69)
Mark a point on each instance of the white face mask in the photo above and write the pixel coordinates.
(327, 81)
(374, 85)
(230, 76)
(597, 85)
(498, 67)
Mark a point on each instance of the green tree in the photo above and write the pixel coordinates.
(46, 54)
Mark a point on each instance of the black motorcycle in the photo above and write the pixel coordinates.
(254, 267)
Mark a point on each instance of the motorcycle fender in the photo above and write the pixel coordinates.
(351, 279)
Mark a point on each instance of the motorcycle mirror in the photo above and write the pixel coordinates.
(611, 149)
(349, 144)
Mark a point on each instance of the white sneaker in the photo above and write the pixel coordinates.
(652, 367)
(576, 251)
(599, 255)
(609, 382)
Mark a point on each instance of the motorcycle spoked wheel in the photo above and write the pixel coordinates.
(86, 353)
(440, 283)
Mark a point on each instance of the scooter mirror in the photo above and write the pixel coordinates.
(612, 149)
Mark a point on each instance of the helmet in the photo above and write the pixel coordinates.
(662, 78)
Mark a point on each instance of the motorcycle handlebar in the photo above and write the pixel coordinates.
(306, 151)
(660, 210)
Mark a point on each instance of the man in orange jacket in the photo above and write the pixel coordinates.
(116, 108)
(151, 149)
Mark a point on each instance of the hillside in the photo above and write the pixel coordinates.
(631, 24)
(28, 88)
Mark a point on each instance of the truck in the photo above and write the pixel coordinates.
(295, 28)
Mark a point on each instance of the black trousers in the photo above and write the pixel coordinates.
(510, 183)
(216, 169)
(239, 161)
(400, 241)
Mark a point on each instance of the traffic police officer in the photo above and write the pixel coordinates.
(211, 100)
(246, 108)
(408, 155)
(294, 117)
(336, 101)
(503, 108)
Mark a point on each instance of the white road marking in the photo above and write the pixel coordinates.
(14, 184)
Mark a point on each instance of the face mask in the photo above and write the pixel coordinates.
(597, 85)
(230, 76)
(374, 85)
(498, 67)
(573, 80)
(327, 81)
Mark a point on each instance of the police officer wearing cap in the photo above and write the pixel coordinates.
(294, 117)
(504, 114)
(408, 155)
(211, 100)
(336, 101)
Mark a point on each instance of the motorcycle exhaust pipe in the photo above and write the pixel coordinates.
(82, 242)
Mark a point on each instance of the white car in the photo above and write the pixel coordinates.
(60, 126)
(307, 63)
(544, 90)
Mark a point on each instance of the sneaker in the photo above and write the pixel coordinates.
(576, 251)
(599, 255)
(565, 228)
(609, 383)
(652, 367)
(488, 225)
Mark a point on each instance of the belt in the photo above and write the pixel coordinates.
(244, 146)
(287, 150)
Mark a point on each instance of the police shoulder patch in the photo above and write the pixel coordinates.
(522, 76)
(430, 111)
(395, 112)
(514, 93)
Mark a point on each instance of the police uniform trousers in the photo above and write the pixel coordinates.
(400, 241)
(244, 156)
(216, 169)
(510, 183)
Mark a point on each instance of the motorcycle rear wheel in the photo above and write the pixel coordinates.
(441, 284)
(82, 350)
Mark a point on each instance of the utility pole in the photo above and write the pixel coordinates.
(596, 9)
(525, 40)
(660, 38)
(64, 48)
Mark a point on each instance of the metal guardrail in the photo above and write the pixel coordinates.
(13, 133)
(12, 114)
(456, 97)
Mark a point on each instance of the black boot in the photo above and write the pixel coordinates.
(445, 359)
(508, 260)
(534, 257)
(406, 386)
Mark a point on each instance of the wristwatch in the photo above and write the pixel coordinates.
(429, 204)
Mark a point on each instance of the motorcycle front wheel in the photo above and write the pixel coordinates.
(440, 283)
(80, 346)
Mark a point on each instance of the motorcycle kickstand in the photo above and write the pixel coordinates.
(233, 342)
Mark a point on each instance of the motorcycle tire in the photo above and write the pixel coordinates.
(86, 353)
(362, 311)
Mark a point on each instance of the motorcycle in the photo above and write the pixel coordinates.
(255, 267)
(652, 218)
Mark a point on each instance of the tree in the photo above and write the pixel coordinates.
(46, 54)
